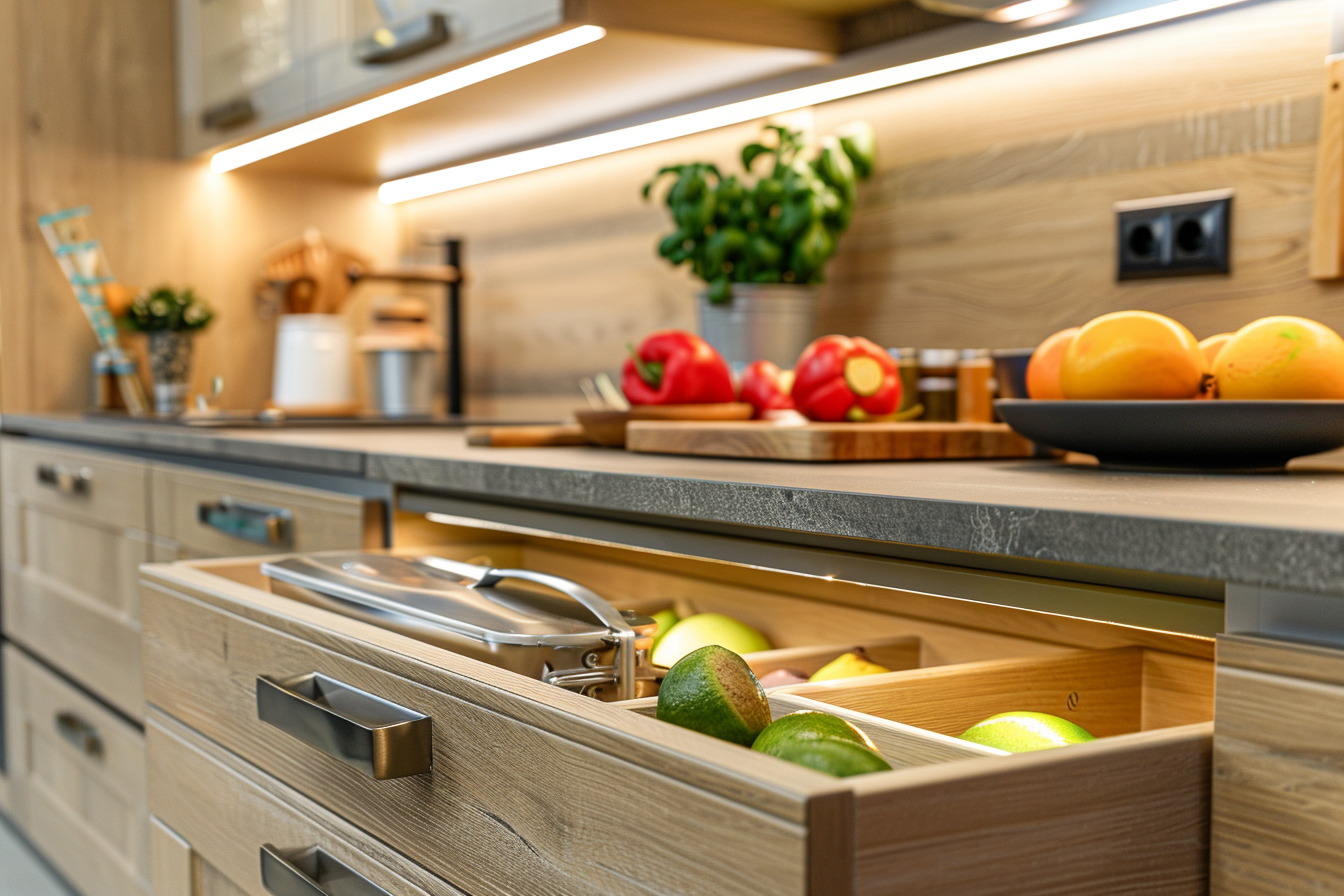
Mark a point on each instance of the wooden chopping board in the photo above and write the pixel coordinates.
(827, 441)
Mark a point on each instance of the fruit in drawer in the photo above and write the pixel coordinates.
(832, 755)
(704, 629)
(665, 619)
(808, 724)
(1133, 355)
(1022, 732)
(712, 690)
(848, 665)
(1281, 358)
(782, 678)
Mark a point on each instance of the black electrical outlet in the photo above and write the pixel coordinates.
(1174, 236)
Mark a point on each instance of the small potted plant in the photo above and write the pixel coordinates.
(760, 242)
(169, 318)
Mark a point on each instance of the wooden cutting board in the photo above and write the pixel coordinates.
(541, 436)
(827, 441)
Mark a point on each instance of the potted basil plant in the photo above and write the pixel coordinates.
(760, 242)
(170, 318)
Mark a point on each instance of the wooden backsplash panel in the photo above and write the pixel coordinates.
(989, 222)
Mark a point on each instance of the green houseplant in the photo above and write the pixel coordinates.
(759, 241)
(170, 318)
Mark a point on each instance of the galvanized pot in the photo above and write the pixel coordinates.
(772, 322)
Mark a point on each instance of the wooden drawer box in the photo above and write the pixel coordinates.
(1278, 769)
(77, 780)
(537, 790)
(226, 812)
(70, 564)
(210, 514)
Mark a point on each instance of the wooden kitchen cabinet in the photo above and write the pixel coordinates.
(533, 789)
(1278, 768)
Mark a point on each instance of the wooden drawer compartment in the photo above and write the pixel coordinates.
(531, 786)
(226, 812)
(77, 780)
(1278, 768)
(213, 514)
(80, 483)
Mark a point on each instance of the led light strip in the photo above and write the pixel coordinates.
(472, 173)
(404, 97)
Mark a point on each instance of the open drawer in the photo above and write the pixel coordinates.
(528, 789)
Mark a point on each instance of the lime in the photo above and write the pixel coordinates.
(1021, 732)
(703, 629)
(808, 724)
(665, 619)
(832, 755)
(712, 690)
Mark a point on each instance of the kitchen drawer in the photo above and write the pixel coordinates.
(537, 790)
(77, 780)
(213, 514)
(226, 812)
(77, 482)
(1278, 769)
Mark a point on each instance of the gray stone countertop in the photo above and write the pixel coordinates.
(1282, 530)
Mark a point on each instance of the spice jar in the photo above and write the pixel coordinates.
(975, 386)
(907, 367)
(938, 383)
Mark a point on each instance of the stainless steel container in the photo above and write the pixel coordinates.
(535, 624)
(772, 322)
(401, 381)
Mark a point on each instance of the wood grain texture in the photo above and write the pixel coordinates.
(225, 810)
(1326, 259)
(477, 818)
(1278, 769)
(172, 864)
(828, 441)
(86, 813)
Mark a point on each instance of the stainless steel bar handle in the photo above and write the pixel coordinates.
(66, 480)
(272, 526)
(313, 872)
(79, 734)
(378, 737)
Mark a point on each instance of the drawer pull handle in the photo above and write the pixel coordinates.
(380, 738)
(313, 872)
(272, 526)
(79, 734)
(66, 480)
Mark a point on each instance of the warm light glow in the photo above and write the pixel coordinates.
(404, 97)
(472, 173)
(1016, 12)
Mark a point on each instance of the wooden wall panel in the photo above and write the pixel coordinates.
(988, 223)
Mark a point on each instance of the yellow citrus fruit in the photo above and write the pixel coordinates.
(1132, 355)
(1213, 345)
(1043, 368)
(1281, 357)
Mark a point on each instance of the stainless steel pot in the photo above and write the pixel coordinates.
(772, 322)
(401, 381)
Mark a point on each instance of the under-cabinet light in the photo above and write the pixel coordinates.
(485, 170)
(404, 97)
(1026, 9)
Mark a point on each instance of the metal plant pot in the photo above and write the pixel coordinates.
(170, 369)
(772, 322)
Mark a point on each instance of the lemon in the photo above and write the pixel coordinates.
(1021, 732)
(665, 619)
(712, 690)
(703, 629)
(848, 665)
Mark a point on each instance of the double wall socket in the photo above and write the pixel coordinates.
(1174, 236)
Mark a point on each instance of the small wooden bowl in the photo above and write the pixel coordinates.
(605, 428)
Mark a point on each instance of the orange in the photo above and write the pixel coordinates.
(1043, 368)
(1133, 355)
(1213, 345)
(1281, 357)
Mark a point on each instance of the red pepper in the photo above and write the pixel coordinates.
(675, 367)
(843, 378)
(766, 388)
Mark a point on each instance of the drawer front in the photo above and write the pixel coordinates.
(1278, 773)
(216, 515)
(84, 484)
(77, 781)
(72, 596)
(226, 811)
(508, 808)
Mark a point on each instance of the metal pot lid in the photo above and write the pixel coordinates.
(498, 613)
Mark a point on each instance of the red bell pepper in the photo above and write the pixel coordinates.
(843, 378)
(766, 388)
(675, 367)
